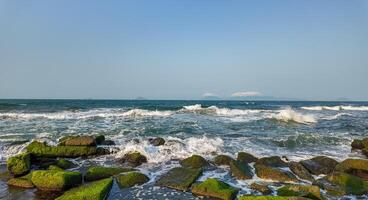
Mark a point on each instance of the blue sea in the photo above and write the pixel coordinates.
(294, 129)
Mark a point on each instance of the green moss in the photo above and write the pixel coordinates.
(77, 141)
(131, 179)
(270, 198)
(96, 173)
(351, 184)
(275, 174)
(21, 182)
(64, 164)
(272, 161)
(241, 170)
(55, 180)
(179, 178)
(214, 188)
(19, 164)
(194, 161)
(97, 190)
(356, 167)
(42, 150)
(54, 167)
(222, 160)
(246, 157)
(308, 191)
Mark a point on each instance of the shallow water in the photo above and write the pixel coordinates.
(297, 130)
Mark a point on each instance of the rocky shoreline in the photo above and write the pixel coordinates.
(49, 168)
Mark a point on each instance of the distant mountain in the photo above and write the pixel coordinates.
(263, 98)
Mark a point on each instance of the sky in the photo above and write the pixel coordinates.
(184, 49)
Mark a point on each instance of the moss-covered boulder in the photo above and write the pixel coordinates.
(272, 161)
(222, 160)
(131, 179)
(299, 170)
(215, 188)
(319, 165)
(55, 167)
(264, 189)
(270, 198)
(40, 149)
(96, 173)
(194, 161)
(19, 164)
(241, 170)
(65, 164)
(179, 178)
(246, 157)
(158, 141)
(275, 174)
(55, 180)
(21, 182)
(97, 190)
(99, 139)
(133, 159)
(308, 191)
(357, 167)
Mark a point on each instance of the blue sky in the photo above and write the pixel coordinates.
(175, 49)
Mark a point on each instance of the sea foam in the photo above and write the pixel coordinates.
(289, 115)
(336, 108)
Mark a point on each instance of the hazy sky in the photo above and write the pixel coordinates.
(183, 49)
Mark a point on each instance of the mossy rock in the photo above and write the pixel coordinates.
(55, 180)
(241, 170)
(214, 188)
(65, 164)
(308, 191)
(131, 179)
(21, 182)
(319, 165)
(157, 141)
(246, 157)
(97, 190)
(55, 167)
(77, 141)
(222, 160)
(357, 144)
(19, 164)
(356, 167)
(270, 198)
(194, 161)
(134, 159)
(299, 170)
(40, 149)
(272, 161)
(275, 174)
(179, 178)
(264, 189)
(96, 173)
(99, 139)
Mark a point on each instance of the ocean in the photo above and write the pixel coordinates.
(294, 129)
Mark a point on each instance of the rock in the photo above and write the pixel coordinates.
(273, 161)
(21, 182)
(97, 190)
(77, 141)
(55, 180)
(215, 188)
(241, 170)
(299, 170)
(194, 161)
(54, 167)
(222, 160)
(179, 178)
(356, 167)
(131, 179)
(40, 149)
(251, 197)
(319, 165)
(246, 157)
(65, 164)
(107, 142)
(43, 162)
(133, 159)
(102, 151)
(19, 164)
(308, 191)
(96, 173)
(274, 174)
(264, 189)
(99, 139)
(357, 144)
(157, 141)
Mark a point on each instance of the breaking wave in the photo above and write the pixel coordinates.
(336, 108)
(289, 115)
(214, 110)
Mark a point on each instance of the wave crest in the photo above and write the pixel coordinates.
(214, 110)
(289, 115)
(336, 108)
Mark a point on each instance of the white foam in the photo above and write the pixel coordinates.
(336, 108)
(214, 110)
(289, 115)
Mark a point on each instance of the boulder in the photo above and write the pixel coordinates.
(65, 164)
(246, 157)
(275, 174)
(241, 170)
(179, 178)
(97, 190)
(40, 149)
(77, 141)
(319, 165)
(251, 197)
(308, 191)
(194, 161)
(96, 173)
(299, 170)
(222, 160)
(19, 164)
(133, 159)
(264, 189)
(215, 189)
(157, 141)
(356, 167)
(21, 182)
(55, 167)
(99, 139)
(131, 179)
(357, 144)
(55, 180)
(272, 161)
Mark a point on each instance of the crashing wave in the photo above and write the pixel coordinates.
(336, 108)
(214, 110)
(289, 115)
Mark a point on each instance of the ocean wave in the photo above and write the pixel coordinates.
(336, 108)
(289, 115)
(214, 110)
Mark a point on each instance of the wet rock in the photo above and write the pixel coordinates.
(77, 141)
(241, 170)
(102, 151)
(246, 157)
(39, 149)
(273, 161)
(264, 189)
(97, 190)
(299, 170)
(356, 167)
(179, 178)
(275, 174)
(133, 159)
(319, 165)
(55, 167)
(251, 197)
(308, 191)
(108, 142)
(97, 173)
(99, 139)
(215, 188)
(19, 164)
(194, 161)
(21, 182)
(157, 141)
(357, 144)
(55, 180)
(131, 179)
(222, 160)
(65, 164)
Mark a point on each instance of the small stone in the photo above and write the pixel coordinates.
(108, 142)
(319, 165)
(273, 161)
(299, 170)
(194, 161)
(19, 164)
(21, 182)
(275, 174)
(97, 173)
(134, 159)
(99, 139)
(241, 170)
(222, 160)
(246, 157)
(179, 178)
(264, 189)
(215, 188)
(157, 141)
(308, 191)
(65, 164)
(131, 179)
